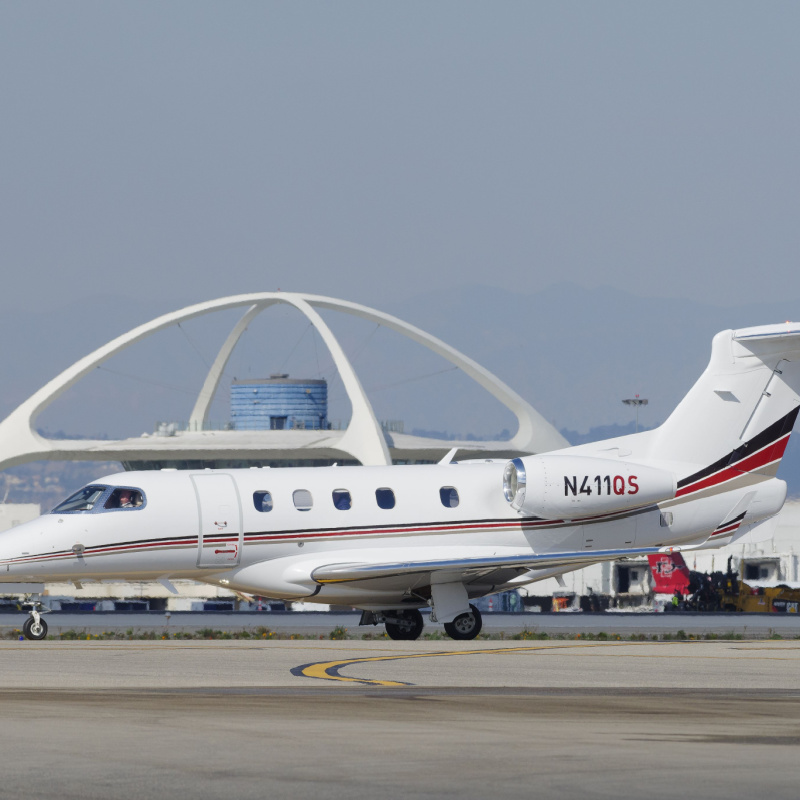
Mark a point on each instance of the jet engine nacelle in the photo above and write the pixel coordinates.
(571, 487)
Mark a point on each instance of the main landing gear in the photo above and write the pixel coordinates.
(35, 627)
(404, 625)
(465, 626)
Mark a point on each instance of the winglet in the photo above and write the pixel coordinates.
(449, 457)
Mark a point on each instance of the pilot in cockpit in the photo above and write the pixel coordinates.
(124, 498)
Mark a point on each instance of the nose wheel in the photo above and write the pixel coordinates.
(465, 626)
(35, 628)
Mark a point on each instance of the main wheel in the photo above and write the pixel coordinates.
(465, 626)
(34, 630)
(407, 624)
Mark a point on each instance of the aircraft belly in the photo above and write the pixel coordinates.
(649, 530)
(609, 535)
(547, 540)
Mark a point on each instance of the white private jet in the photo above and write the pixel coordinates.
(393, 540)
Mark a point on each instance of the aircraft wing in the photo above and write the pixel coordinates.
(354, 571)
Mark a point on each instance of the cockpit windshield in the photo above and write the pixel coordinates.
(97, 499)
(83, 500)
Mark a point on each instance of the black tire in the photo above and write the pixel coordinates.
(465, 626)
(407, 626)
(33, 630)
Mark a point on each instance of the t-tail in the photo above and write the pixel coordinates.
(734, 424)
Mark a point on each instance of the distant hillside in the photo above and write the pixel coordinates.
(49, 482)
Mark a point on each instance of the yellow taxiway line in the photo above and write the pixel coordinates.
(330, 670)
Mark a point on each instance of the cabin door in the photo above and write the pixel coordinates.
(220, 537)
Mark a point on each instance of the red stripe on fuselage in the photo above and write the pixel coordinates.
(767, 455)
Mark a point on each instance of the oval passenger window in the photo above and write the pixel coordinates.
(384, 498)
(262, 501)
(342, 499)
(449, 496)
(302, 499)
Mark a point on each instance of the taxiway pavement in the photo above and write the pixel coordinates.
(344, 719)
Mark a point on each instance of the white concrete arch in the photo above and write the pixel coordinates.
(534, 434)
(199, 415)
(363, 439)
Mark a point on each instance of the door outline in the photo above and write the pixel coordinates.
(218, 487)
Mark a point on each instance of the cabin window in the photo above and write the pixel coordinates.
(449, 496)
(303, 501)
(262, 501)
(342, 499)
(83, 500)
(123, 498)
(384, 498)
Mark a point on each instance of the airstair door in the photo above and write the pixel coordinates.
(220, 537)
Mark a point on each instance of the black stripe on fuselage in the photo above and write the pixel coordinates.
(768, 436)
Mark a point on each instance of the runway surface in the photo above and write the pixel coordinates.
(328, 719)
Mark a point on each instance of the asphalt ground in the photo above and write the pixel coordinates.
(314, 623)
(344, 719)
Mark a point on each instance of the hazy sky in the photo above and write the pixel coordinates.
(190, 150)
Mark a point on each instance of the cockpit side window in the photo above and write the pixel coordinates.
(83, 500)
(124, 497)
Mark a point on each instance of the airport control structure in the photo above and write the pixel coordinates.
(287, 424)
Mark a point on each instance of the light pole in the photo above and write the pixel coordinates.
(637, 402)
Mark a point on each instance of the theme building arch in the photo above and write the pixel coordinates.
(363, 439)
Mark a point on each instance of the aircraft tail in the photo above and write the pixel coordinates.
(670, 573)
(738, 416)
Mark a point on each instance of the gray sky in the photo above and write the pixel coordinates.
(190, 150)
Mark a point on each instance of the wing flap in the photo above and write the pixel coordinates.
(355, 571)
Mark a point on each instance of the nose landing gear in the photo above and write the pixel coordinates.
(35, 627)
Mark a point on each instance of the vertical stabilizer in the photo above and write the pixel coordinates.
(738, 416)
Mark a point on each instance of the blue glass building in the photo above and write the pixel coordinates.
(279, 403)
